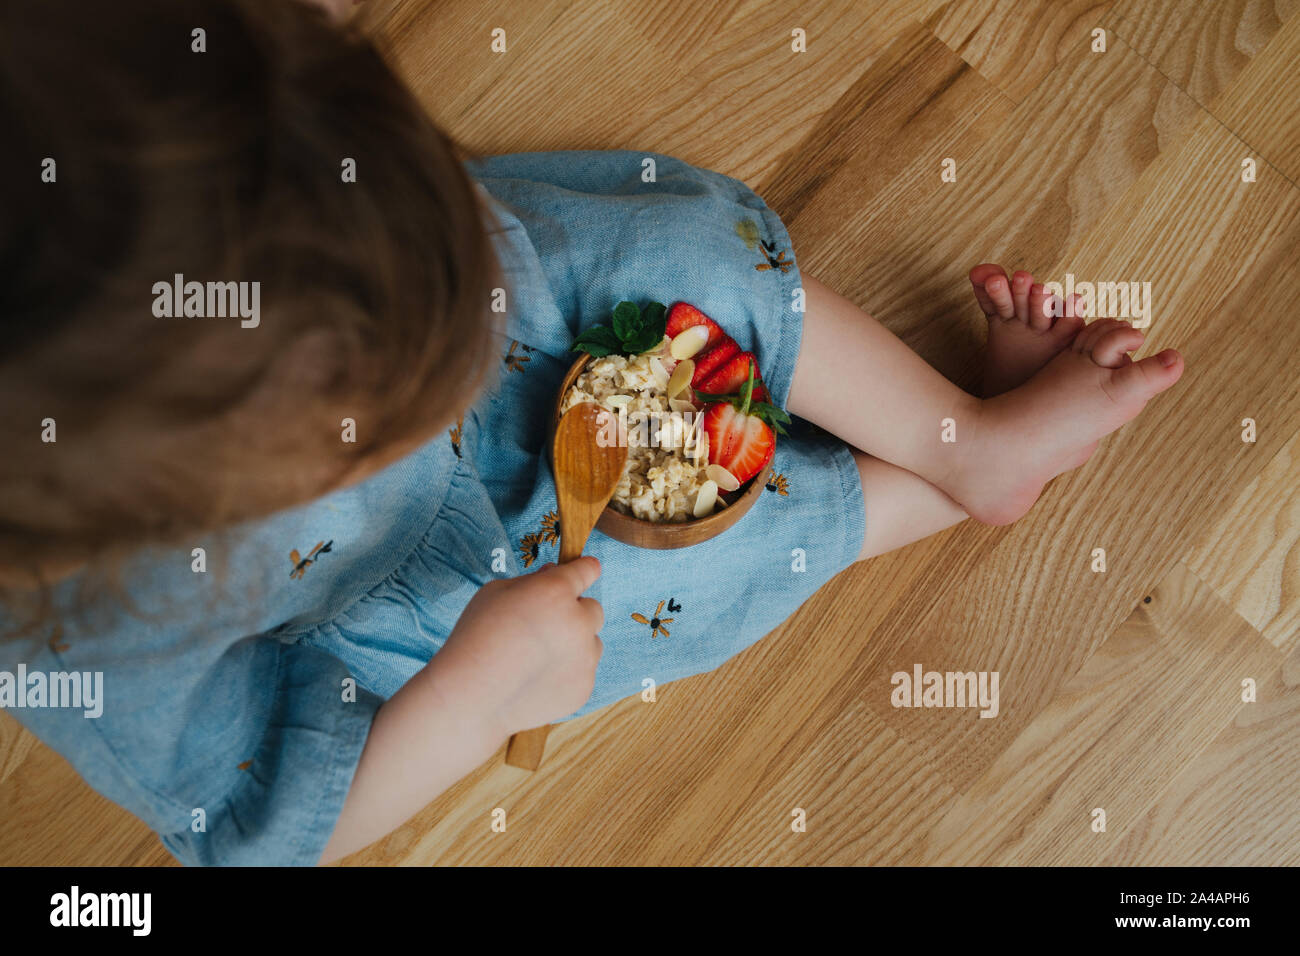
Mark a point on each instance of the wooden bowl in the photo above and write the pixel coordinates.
(654, 534)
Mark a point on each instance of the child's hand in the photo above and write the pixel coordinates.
(523, 654)
(527, 647)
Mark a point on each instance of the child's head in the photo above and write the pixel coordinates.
(137, 149)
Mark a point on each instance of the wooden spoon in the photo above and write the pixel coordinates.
(586, 474)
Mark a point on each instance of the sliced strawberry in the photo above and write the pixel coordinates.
(742, 444)
(683, 316)
(719, 367)
(740, 433)
(729, 378)
(706, 363)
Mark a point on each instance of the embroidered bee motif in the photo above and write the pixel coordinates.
(747, 229)
(775, 260)
(301, 564)
(778, 483)
(515, 361)
(550, 532)
(529, 545)
(655, 622)
(455, 434)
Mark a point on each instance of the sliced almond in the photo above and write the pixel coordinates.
(659, 372)
(701, 450)
(662, 347)
(705, 499)
(688, 342)
(680, 405)
(618, 399)
(681, 376)
(725, 479)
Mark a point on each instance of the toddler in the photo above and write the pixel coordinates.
(277, 373)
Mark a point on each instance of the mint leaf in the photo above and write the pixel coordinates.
(631, 331)
(597, 341)
(644, 341)
(655, 316)
(627, 320)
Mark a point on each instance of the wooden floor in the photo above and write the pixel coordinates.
(1122, 165)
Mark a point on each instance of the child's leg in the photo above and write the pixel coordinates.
(901, 506)
(857, 380)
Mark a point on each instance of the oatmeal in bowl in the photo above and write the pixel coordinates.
(693, 413)
(667, 472)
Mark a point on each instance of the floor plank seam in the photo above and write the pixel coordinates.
(997, 86)
(1203, 108)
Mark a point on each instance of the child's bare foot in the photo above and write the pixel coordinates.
(1024, 334)
(1022, 439)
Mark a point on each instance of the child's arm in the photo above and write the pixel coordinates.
(523, 654)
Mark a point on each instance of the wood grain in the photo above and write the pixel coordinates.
(1235, 804)
(1015, 44)
(1249, 555)
(1201, 47)
(1260, 107)
(1163, 676)
(1117, 166)
(1011, 201)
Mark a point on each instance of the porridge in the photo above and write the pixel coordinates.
(667, 476)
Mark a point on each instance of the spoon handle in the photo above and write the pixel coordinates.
(587, 472)
(570, 545)
(527, 746)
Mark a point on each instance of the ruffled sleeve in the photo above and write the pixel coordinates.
(222, 730)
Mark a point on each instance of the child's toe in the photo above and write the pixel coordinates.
(979, 277)
(999, 290)
(1112, 346)
(1040, 307)
(1090, 333)
(1074, 306)
(1140, 381)
(981, 274)
(1020, 285)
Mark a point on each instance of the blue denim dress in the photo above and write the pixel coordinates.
(227, 725)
